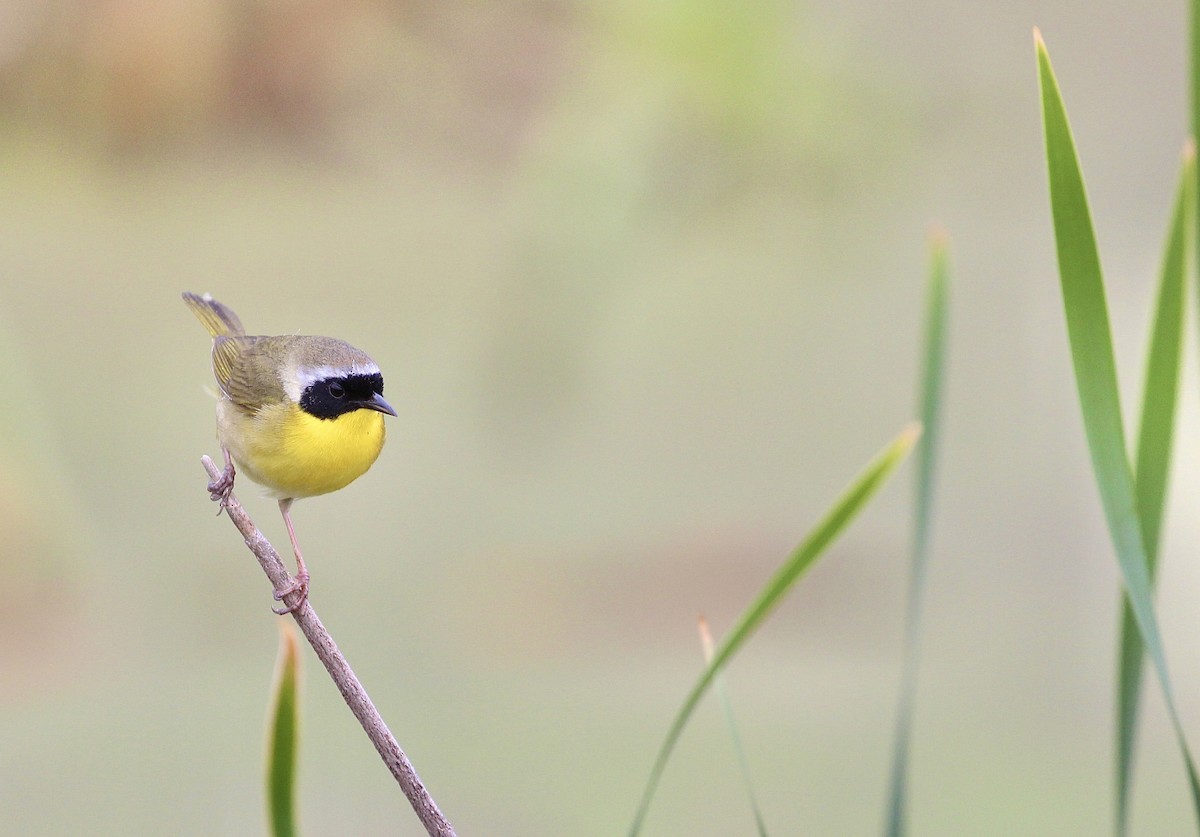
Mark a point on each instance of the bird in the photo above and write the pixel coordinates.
(299, 415)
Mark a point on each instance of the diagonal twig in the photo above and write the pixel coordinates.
(343, 676)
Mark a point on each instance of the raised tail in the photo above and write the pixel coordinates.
(218, 319)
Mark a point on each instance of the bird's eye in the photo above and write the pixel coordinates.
(337, 390)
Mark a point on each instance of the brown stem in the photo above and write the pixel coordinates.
(327, 651)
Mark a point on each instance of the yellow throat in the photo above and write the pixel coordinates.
(294, 454)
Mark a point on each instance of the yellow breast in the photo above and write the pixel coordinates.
(294, 454)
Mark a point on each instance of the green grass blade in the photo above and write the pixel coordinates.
(835, 520)
(706, 644)
(1157, 431)
(1195, 91)
(281, 746)
(1096, 379)
(936, 308)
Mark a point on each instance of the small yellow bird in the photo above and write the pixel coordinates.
(300, 415)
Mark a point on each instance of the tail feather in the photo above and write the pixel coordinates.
(217, 318)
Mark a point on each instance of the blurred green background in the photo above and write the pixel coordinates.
(645, 282)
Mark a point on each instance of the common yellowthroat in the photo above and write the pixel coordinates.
(299, 415)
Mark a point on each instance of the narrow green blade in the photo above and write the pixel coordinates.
(1157, 432)
(936, 308)
(1195, 91)
(706, 644)
(835, 520)
(1096, 379)
(281, 747)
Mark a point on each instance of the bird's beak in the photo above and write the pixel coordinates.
(377, 403)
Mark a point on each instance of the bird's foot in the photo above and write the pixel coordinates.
(220, 488)
(299, 585)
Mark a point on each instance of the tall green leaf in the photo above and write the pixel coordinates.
(1195, 91)
(281, 745)
(1096, 379)
(1157, 432)
(821, 536)
(936, 308)
(706, 644)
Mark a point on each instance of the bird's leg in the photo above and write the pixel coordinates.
(300, 582)
(220, 488)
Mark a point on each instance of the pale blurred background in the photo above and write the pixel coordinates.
(645, 282)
